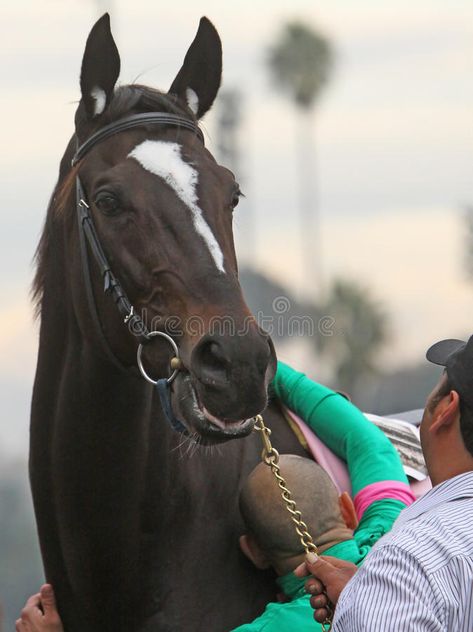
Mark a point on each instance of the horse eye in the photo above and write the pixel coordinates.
(107, 204)
(236, 197)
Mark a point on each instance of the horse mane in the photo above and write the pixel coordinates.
(128, 99)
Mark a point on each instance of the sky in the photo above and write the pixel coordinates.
(393, 136)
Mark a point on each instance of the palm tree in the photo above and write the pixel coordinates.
(358, 331)
(300, 63)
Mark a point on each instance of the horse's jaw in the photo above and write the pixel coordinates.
(205, 427)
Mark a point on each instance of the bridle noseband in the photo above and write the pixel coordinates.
(88, 235)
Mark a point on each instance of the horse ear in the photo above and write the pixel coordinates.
(100, 68)
(198, 80)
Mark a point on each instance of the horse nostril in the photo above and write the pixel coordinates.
(211, 364)
(216, 353)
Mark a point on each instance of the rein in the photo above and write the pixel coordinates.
(112, 286)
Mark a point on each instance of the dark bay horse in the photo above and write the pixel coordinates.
(139, 524)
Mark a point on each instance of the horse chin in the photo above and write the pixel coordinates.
(200, 421)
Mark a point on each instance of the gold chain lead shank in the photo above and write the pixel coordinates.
(270, 456)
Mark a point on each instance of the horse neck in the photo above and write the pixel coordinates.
(89, 445)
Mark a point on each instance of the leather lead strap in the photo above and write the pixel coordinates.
(162, 387)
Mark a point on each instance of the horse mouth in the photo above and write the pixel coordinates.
(198, 420)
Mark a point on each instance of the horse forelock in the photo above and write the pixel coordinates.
(137, 98)
(128, 99)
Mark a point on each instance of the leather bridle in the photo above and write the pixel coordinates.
(88, 234)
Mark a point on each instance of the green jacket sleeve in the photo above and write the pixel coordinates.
(369, 454)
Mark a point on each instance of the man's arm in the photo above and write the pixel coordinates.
(379, 484)
(390, 592)
(369, 454)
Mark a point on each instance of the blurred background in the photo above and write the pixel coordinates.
(349, 124)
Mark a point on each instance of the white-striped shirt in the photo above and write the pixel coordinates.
(419, 576)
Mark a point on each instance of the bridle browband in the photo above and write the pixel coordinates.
(136, 120)
(87, 232)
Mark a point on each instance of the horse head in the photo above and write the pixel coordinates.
(162, 207)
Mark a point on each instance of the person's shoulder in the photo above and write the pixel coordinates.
(435, 536)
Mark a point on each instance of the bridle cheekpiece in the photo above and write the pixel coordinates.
(112, 286)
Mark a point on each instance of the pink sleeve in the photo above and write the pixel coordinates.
(383, 490)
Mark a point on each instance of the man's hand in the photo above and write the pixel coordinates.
(330, 576)
(40, 613)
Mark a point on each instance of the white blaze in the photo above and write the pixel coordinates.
(164, 159)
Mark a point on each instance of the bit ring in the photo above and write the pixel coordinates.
(139, 361)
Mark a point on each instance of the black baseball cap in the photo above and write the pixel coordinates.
(457, 358)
